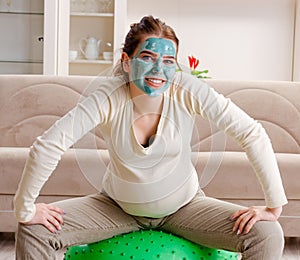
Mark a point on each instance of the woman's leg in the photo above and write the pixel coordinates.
(206, 221)
(88, 219)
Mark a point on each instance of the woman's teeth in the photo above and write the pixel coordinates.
(156, 81)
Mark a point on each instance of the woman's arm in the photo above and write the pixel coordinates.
(45, 154)
(250, 135)
(254, 140)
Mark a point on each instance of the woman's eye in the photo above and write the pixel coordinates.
(147, 58)
(169, 61)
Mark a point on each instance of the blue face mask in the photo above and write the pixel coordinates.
(154, 66)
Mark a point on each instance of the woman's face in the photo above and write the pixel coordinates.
(154, 65)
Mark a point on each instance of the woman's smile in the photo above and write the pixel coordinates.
(155, 82)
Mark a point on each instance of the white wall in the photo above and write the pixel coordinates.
(296, 74)
(234, 39)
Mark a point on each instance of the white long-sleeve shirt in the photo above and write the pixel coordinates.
(157, 180)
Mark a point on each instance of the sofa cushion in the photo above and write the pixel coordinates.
(229, 175)
(79, 172)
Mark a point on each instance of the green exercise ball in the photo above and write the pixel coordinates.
(146, 245)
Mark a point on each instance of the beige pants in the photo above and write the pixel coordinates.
(97, 217)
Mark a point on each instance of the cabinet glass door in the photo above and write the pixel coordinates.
(91, 39)
(21, 30)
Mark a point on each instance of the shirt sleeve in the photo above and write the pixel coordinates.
(247, 132)
(47, 150)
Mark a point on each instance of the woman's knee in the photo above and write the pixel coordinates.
(264, 241)
(271, 232)
(33, 231)
(33, 240)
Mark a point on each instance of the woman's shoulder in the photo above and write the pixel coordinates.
(106, 88)
(106, 85)
(186, 81)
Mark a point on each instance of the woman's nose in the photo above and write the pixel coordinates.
(157, 67)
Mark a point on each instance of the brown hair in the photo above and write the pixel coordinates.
(147, 26)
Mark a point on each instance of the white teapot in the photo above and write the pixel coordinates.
(91, 51)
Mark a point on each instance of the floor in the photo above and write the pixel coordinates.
(291, 252)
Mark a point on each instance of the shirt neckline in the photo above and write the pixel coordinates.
(137, 144)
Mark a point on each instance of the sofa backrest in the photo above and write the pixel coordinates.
(30, 104)
(274, 104)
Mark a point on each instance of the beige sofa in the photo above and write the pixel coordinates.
(30, 104)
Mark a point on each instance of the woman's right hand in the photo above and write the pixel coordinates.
(48, 215)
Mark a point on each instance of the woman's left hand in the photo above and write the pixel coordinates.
(246, 218)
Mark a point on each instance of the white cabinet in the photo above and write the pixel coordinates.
(77, 20)
(21, 30)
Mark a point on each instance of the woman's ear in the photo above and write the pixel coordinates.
(125, 62)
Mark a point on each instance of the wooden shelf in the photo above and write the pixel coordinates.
(91, 61)
(20, 13)
(21, 61)
(81, 14)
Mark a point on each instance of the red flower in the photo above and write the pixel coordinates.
(193, 62)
